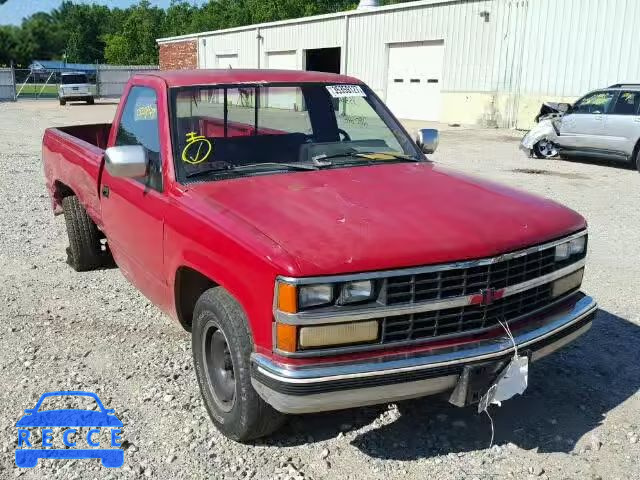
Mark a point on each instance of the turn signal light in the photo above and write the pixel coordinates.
(287, 298)
(286, 337)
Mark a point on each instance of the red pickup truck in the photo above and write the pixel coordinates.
(319, 259)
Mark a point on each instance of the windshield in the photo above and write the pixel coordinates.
(222, 132)
(76, 78)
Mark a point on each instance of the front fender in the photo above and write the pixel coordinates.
(543, 130)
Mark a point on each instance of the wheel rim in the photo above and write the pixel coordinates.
(219, 367)
(547, 149)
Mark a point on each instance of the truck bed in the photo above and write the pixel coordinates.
(73, 159)
(97, 134)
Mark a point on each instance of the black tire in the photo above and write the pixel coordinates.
(63, 102)
(637, 158)
(224, 373)
(90, 101)
(85, 250)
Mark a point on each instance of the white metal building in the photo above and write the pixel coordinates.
(487, 62)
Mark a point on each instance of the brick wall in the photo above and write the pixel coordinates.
(179, 55)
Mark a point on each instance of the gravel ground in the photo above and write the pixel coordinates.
(580, 418)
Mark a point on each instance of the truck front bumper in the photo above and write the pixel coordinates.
(321, 387)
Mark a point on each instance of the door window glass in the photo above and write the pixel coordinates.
(628, 103)
(596, 103)
(139, 126)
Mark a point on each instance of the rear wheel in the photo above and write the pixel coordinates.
(545, 149)
(222, 346)
(637, 158)
(90, 101)
(85, 250)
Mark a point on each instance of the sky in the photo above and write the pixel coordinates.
(12, 12)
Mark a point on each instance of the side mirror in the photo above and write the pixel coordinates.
(564, 107)
(129, 161)
(428, 139)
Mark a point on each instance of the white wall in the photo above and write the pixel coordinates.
(527, 51)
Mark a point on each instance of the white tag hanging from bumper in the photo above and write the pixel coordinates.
(512, 381)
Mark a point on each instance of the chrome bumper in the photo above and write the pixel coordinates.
(323, 387)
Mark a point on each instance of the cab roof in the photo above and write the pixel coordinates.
(185, 78)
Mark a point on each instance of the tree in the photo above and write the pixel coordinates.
(135, 43)
(7, 45)
(89, 32)
(179, 19)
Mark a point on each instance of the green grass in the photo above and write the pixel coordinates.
(35, 88)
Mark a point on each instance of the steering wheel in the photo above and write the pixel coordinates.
(345, 135)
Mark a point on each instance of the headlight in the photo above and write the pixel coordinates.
(572, 247)
(353, 292)
(562, 252)
(577, 245)
(315, 295)
(293, 298)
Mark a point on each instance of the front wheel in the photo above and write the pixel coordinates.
(545, 149)
(90, 101)
(222, 346)
(63, 102)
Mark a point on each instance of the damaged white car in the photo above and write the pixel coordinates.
(602, 124)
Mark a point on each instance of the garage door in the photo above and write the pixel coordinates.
(227, 61)
(282, 61)
(414, 81)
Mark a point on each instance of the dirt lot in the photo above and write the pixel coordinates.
(60, 330)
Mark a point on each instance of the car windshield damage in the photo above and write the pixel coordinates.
(239, 130)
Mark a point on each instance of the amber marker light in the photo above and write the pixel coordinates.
(286, 337)
(287, 298)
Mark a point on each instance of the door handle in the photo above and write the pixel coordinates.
(598, 117)
(105, 191)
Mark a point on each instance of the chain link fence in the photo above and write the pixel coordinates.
(107, 81)
(111, 79)
(7, 85)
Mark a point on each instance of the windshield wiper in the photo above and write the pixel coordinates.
(325, 160)
(252, 167)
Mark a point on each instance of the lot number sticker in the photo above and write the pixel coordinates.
(343, 91)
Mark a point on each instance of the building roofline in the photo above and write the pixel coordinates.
(314, 18)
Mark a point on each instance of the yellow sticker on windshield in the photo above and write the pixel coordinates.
(146, 112)
(197, 149)
(381, 156)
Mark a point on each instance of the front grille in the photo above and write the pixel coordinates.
(469, 281)
(426, 325)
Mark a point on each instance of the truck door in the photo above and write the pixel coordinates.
(583, 127)
(623, 123)
(133, 209)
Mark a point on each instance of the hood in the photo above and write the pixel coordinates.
(388, 216)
